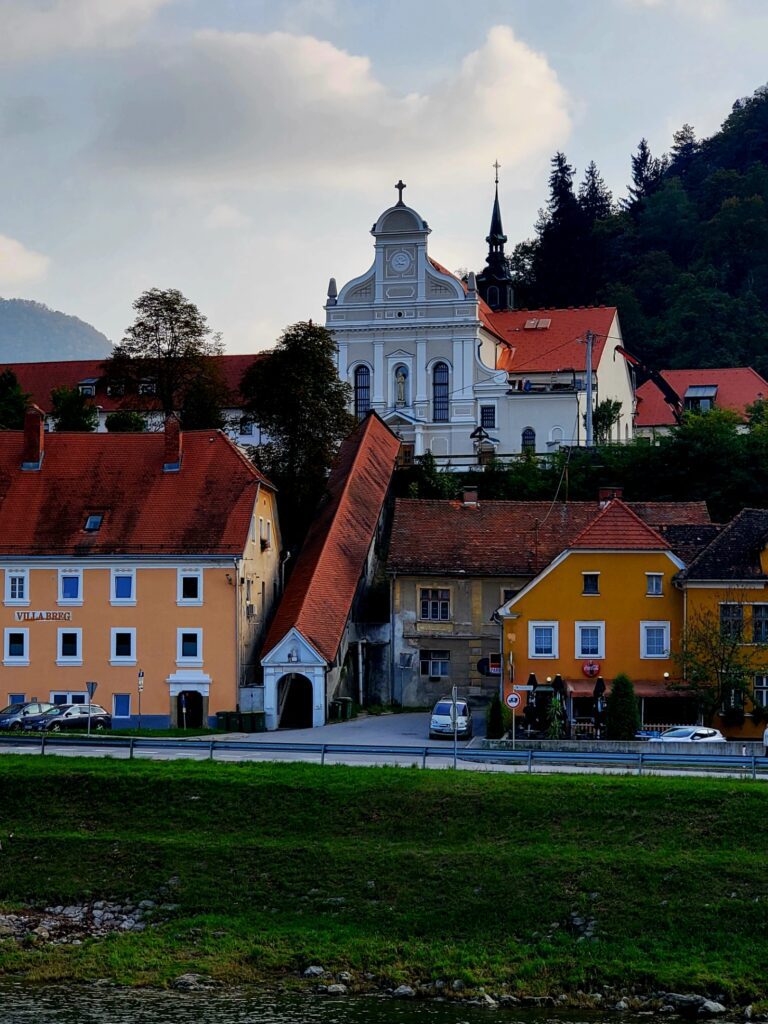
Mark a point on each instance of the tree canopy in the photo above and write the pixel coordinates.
(71, 410)
(684, 256)
(296, 397)
(13, 401)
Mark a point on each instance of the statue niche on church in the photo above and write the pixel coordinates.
(401, 386)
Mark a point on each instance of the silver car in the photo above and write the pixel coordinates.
(441, 722)
(690, 734)
(13, 716)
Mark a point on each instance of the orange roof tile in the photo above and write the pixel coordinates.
(556, 347)
(204, 508)
(618, 528)
(737, 387)
(319, 594)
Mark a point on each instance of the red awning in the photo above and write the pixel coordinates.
(585, 688)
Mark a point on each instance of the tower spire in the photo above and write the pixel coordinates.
(495, 283)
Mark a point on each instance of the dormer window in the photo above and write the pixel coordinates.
(147, 387)
(700, 397)
(116, 390)
(87, 389)
(93, 522)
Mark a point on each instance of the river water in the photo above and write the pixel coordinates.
(24, 1004)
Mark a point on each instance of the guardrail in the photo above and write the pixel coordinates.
(529, 760)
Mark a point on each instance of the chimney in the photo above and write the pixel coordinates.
(34, 439)
(469, 497)
(606, 494)
(173, 445)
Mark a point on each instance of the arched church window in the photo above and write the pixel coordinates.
(440, 393)
(529, 440)
(362, 391)
(493, 296)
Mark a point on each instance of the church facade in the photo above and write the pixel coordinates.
(461, 377)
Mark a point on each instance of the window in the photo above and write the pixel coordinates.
(732, 621)
(189, 646)
(147, 387)
(121, 705)
(494, 663)
(362, 392)
(590, 639)
(405, 455)
(488, 416)
(123, 586)
(246, 427)
(70, 647)
(93, 522)
(16, 586)
(70, 586)
(528, 440)
(265, 533)
(654, 584)
(16, 648)
(435, 663)
(87, 389)
(542, 640)
(759, 623)
(654, 639)
(440, 377)
(123, 646)
(190, 587)
(761, 691)
(17, 698)
(436, 605)
(507, 593)
(591, 582)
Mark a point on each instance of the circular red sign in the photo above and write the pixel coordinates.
(590, 669)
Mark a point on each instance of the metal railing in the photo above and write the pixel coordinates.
(526, 760)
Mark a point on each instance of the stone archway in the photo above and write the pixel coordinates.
(295, 699)
(189, 709)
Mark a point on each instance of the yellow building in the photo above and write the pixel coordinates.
(725, 591)
(127, 554)
(606, 605)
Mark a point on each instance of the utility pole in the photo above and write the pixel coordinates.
(589, 338)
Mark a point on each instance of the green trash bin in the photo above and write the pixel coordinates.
(249, 724)
(260, 723)
(234, 721)
(221, 720)
(345, 708)
(334, 711)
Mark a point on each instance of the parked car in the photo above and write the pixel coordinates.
(14, 716)
(441, 722)
(70, 717)
(690, 734)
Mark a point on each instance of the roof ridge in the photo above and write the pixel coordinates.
(618, 503)
(722, 533)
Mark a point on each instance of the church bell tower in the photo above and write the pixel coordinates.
(494, 283)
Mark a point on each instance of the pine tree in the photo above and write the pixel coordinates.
(595, 198)
(647, 173)
(622, 717)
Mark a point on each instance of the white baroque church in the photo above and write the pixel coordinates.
(453, 368)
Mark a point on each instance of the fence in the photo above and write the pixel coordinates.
(525, 760)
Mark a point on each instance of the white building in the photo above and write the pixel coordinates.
(455, 377)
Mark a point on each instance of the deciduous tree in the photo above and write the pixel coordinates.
(71, 410)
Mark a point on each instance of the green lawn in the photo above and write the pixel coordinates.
(442, 874)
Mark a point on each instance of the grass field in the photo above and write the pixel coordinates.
(440, 875)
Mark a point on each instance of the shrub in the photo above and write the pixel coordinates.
(494, 727)
(622, 716)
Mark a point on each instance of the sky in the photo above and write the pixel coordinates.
(240, 150)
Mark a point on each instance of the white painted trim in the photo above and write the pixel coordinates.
(189, 602)
(122, 601)
(63, 661)
(113, 657)
(180, 681)
(189, 662)
(539, 623)
(589, 624)
(18, 602)
(655, 623)
(293, 636)
(75, 602)
(15, 660)
(504, 610)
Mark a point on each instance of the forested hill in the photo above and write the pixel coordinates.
(684, 255)
(31, 332)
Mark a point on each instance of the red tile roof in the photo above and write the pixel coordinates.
(556, 347)
(39, 379)
(319, 594)
(619, 528)
(203, 509)
(737, 387)
(503, 538)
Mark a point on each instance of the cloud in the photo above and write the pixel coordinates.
(36, 28)
(225, 216)
(271, 109)
(19, 265)
(703, 10)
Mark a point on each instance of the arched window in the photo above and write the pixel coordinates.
(440, 393)
(362, 391)
(529, 440)
(493, 296)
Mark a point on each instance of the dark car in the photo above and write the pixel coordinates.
(70, 717)
(14, 716)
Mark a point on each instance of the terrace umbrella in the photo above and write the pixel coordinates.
(529, 715)
(599, 700)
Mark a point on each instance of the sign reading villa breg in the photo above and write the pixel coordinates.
(43, 616)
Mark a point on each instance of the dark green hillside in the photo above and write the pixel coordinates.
(31, 332)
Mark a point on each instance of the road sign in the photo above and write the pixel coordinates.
(513, 700)
(91, 688)
(141, 680)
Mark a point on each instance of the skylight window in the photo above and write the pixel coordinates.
(93, 522)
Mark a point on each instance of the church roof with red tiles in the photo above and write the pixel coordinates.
(552, 340)
(618, 528)
(319, 595)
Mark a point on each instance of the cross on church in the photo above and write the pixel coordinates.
(497, 165)
(400, 186)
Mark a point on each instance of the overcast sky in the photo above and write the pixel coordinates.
(240, 150)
